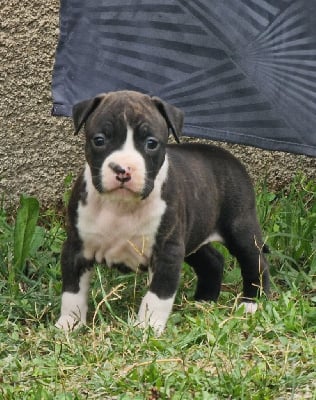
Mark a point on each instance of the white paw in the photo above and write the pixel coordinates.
(154, 312)
(68, 323)
(249, 307)
(157, 326)
(74, 306)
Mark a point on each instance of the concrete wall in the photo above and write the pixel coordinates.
(37, 151)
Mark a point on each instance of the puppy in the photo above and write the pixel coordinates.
(144, 204)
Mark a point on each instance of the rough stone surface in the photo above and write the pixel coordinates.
(37, 151)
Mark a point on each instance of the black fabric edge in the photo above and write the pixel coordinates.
(62, 110)
(241, 139)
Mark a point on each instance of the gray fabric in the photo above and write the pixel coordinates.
(243, 71)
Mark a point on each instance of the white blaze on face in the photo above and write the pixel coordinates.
(129, 159)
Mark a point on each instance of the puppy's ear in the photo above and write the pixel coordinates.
(81, 111)
(173, 116)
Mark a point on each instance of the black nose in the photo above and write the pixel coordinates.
(121, 174)
(116, 168)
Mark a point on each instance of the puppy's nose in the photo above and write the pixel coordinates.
(116, 168)
(122, 174)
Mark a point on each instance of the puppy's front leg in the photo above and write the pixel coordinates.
(76, 272)
(157, 304)
(154, 311)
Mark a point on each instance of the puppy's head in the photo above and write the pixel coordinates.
(126, 134)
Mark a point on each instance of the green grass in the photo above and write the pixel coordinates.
(207, 352)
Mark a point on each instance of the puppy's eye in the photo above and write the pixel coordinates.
(99, 140)
(151, 144)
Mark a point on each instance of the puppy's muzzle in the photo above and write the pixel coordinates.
(123, 175)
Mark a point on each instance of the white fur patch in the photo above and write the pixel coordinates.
(155, 312)
(214, 237)
(120, 231)
(249, 307)
(150, 276)
(74, 306)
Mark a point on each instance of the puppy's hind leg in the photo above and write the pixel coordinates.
(245, 242)
(208, 265)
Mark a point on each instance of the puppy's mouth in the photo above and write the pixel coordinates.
(123, 191)
(123, 188)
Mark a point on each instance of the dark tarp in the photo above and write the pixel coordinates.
(244, 71)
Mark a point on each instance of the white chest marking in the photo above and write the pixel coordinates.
(120, 232)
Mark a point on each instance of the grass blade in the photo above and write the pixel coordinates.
(26, 220)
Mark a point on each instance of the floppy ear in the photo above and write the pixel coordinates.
(173, 116)
(81, 111)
